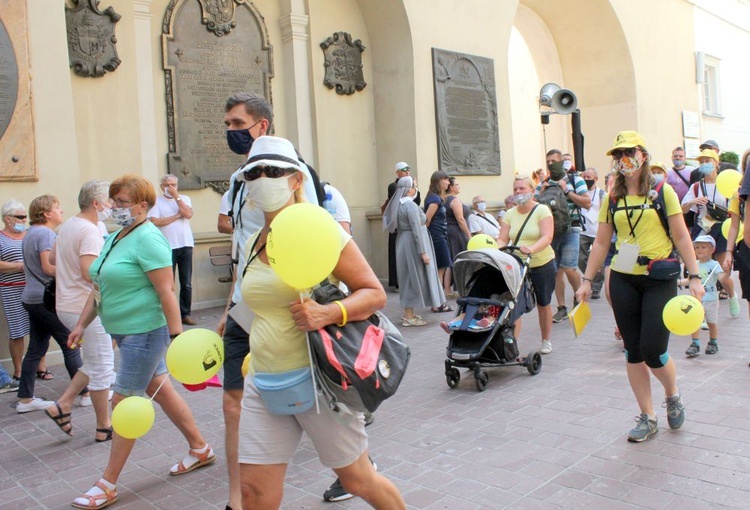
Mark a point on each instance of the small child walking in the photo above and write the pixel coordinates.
(709, 270)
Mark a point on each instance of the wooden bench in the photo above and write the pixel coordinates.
(222, 256)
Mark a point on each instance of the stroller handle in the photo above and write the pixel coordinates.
(511, 248)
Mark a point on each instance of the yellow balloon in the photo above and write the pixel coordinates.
(303, 245)
(728, 182)
(725, 229)
(683, 315)
(133, 417)
(195, 356)
(246, 365)
(480, 241)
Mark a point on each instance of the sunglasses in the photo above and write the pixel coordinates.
(19, 216)
(617, 154)
(273, 172)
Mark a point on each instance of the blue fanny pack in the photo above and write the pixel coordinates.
(289, 392)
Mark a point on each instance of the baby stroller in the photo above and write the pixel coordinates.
(495, 292)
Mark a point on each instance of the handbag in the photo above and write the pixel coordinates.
(663, 269)
(717, 212)
(50, 287)
(290, 392)
(359, 365)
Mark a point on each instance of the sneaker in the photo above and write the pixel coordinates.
(9, 386)
(416, 321)
(336, 491)
(675, 411)
(596, 294)
(704, 326)
(693, 350)
(546, 347)
(734, 305)
(645, 428)
(712, 347)
(36, 404)
(369, 418)
(82, 401)
(561, 315)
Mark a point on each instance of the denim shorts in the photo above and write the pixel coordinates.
(141, 359)
(566, 250)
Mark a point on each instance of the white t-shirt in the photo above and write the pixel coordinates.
(178, 233)
(484, 224)
(225, 206)
(340, 210)
(591, 215)
(711, 192)
(77, 237)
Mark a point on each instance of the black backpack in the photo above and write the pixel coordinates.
(658, 203)
(553, 197)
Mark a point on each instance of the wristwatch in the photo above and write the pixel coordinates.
(694, 276)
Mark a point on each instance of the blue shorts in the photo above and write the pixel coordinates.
(566, 250)
(543, 278)
(141, 359)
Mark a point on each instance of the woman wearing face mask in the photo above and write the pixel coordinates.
(480, 222)
(12, 282)
(703, 199)
(267, 441)
(638, 299)
(45, 215)
(79, 243)
(529, 226)
(418, 280)
(132, 281)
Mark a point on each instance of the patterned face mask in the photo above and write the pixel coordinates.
(627, 165)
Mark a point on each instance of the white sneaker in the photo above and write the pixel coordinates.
(734, 305)
(36, 404)
(546, 347)
(86, 401)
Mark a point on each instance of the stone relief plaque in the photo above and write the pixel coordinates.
(17, 155)
(202, 69)
(466, 113)
(343, 63)
(91, 38)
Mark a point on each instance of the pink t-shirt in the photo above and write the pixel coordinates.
(76, 237)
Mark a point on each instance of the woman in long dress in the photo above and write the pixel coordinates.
(418, 281)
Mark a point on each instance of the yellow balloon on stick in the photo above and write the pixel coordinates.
(195, 356)
(246, 365)
(480, 241)
(725, 229)
(133, 417)
(683, 315)
(728, 182)
(303, 245)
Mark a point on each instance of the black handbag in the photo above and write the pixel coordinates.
(359, 365)
(49, 295)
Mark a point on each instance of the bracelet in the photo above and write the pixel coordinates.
(694, 277)
(587, 279)
(343, 314)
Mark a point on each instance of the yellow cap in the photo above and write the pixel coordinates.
(627, 140)
(660, 165)
(709, 153)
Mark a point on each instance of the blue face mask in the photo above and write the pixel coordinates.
(239, 140)
(20, 227)
(706, 168)
(658, 178)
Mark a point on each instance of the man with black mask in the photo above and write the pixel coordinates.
(566, 246)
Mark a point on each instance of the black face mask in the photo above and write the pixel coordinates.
(240, 140)
(556, 171)
(590, 183)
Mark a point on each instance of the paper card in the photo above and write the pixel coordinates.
(627, 257)
(242, 315)
(579, 317)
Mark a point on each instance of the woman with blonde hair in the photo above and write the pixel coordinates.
(641, 297)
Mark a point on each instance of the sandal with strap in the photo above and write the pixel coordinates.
(99, 501)
(203, 459)
(45, 375)
(60, 420)
(445, 307)
(107, 435)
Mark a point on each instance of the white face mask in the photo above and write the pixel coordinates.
(104, 214)
(269, 194)
(482, 206)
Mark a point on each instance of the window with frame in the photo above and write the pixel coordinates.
(711, 103)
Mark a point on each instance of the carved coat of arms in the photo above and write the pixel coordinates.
(343, 63)
(91, 38)
(218, 15)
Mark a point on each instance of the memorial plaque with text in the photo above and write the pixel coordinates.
(202, 69)
(8, 80)
(466, 113)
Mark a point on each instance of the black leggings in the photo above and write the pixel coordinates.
(637, 302)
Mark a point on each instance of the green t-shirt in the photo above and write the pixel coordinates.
(129, 302)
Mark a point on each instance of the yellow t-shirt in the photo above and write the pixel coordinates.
(650, 235)
(276, 343)
(531, 232)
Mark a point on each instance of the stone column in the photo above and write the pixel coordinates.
(145, 88)
(299, 110)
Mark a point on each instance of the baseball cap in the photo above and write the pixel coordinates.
(709, 144)
(709, 153)
(271, 151)
(627, 140)
(402, 167)
(705, 239)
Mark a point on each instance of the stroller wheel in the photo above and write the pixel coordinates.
(482, 379)
(534, 362)
(453, 378)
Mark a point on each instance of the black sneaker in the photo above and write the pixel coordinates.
(561, 315)
(712, 347)
(336, 491)
(693, 350)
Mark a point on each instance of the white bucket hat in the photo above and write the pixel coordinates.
(271, 151)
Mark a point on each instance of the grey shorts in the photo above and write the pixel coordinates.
(711, 309)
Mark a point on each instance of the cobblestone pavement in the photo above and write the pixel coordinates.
(555, 440)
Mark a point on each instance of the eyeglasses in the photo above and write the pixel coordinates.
(120, 203)
(618, 153)
(19, 216)
(273, 172)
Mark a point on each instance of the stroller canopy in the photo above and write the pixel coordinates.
(468, 263)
